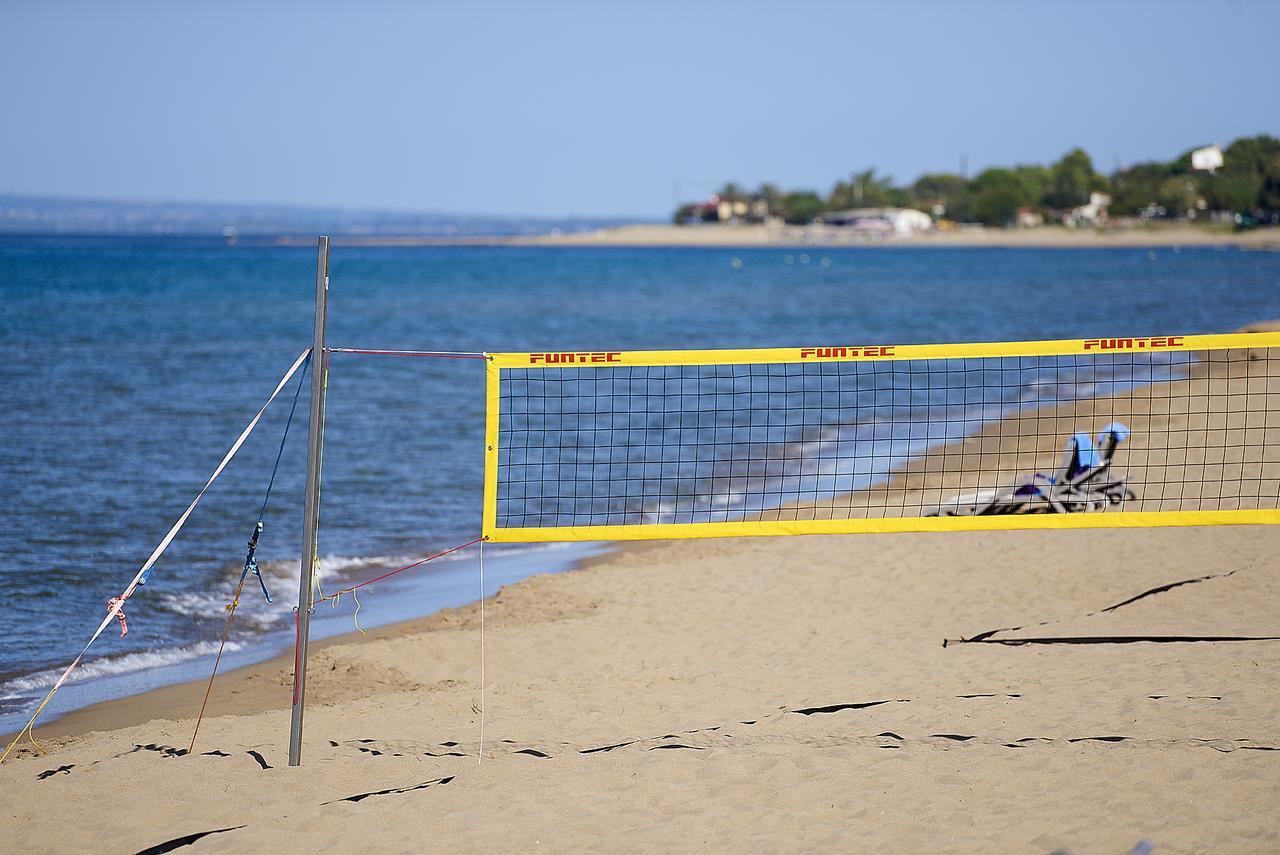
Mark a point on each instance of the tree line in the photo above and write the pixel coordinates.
(1248, 184)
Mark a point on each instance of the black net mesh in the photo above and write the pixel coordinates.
(630, 445)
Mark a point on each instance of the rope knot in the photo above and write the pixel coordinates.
(116, 604)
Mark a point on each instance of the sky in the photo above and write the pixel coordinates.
(603, 108)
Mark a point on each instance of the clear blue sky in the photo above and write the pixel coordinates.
(601, 108)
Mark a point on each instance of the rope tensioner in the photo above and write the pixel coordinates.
(251, 560)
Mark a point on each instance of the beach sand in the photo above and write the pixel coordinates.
(732, 235)
(744, 236)
(748, 694)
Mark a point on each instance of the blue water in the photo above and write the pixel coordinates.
(131, 364)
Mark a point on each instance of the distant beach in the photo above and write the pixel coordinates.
(730, 235)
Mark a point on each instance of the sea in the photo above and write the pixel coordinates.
(132, 363)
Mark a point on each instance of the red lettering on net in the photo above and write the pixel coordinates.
(1140, 343)
(576, 357)
(858, 352)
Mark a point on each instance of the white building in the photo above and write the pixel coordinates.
(1206, 159)
(730, 209)
(1028, 218)
(1091, 214)
(897, 221)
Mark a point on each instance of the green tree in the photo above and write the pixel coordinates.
(1071, 180)
(1248, 177)
(693, 212)
(1035, 182)
(931, 187)
(1135, 188)
(863, 190)
(1270, 200)
(1237, 190)
(1255, 153)
(1178, 194)
(899, 197)
(998, 194)
(951, 191)
(732, 192)
(801, 206)
(772, 197)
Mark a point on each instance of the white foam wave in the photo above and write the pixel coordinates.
(207, 604)
(20, 687)
(281, 577)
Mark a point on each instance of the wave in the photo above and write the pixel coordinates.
(23, 687)
(281, 577)
(259, 617)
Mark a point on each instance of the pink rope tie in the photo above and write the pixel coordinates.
(117, 604)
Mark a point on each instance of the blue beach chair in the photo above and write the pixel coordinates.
(1083, 484)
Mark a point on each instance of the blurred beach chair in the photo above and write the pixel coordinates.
(1084, 484)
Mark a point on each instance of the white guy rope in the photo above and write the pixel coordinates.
(117, 603)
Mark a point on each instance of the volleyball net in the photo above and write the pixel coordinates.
(1144, 431)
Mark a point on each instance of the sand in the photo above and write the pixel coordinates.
(730, 235)
(746, 694)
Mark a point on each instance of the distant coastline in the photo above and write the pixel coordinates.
(22, 215)
(746, 236)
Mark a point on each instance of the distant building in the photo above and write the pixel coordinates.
(730, 209)
(896, 221)
(718, 209)
(1207, 159)
(1028, 218)
(1092, 214)
(707, 211)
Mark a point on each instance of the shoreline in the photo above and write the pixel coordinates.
(728, 236)
(386, 618)
(250, 689)
(922, 479)
(710, 690)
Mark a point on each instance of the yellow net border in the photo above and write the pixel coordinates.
(497, 363)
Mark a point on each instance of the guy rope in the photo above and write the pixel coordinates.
(144, 572)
